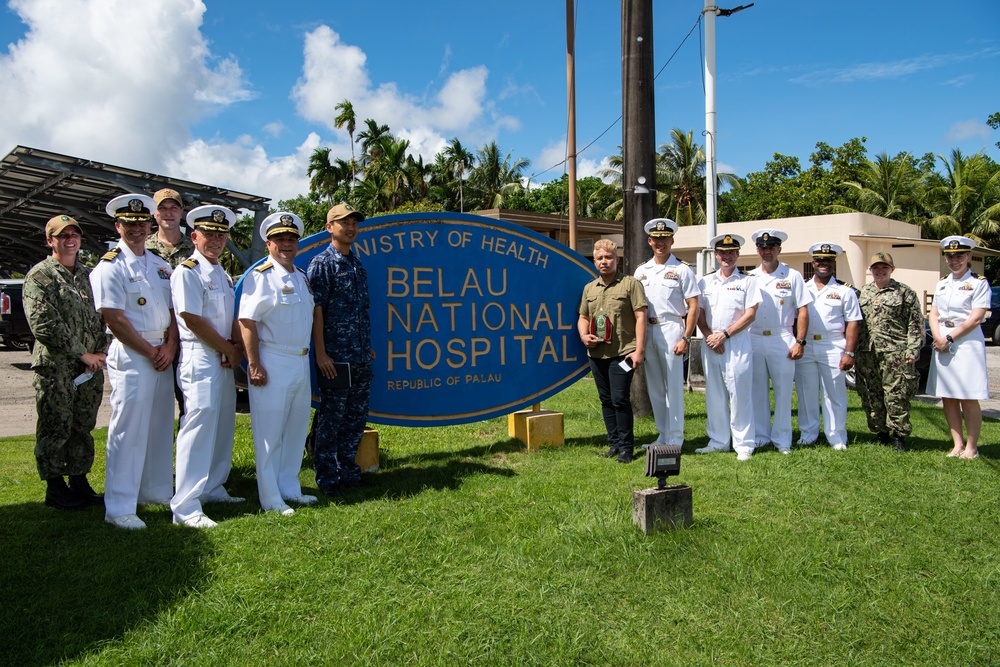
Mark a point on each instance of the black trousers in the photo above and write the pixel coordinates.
(614, 389)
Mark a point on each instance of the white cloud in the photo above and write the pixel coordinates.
(88, 78)
(965, 130)
(551, 163)
(333, 71)
(244, 165)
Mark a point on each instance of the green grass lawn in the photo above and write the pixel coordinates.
(469, 551)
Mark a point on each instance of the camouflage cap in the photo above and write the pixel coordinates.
(167, 193)
(342, 211)
(57, 224)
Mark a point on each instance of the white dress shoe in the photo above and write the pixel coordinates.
(743, 456)
(283, 510)
(126, 521)
(197, 521)
(155, 502)
(709, 450)
(786, 451)
(840, 448)
(302, 500)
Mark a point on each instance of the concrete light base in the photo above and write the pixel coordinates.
(656, 510)
(367, 456)
(536, 428)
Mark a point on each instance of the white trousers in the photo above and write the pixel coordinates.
(814, 372)
(728, 398)
(279, 414)
(140, 450)
(665, 380)
(205, 436)
(771, 362)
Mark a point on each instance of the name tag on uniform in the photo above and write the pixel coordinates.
(288, 290)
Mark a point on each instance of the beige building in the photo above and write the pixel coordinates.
(919, 263)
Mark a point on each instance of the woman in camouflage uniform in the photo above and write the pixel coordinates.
(69, 354)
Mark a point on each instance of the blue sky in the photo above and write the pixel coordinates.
(239, 93)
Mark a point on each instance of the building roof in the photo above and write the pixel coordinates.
(36, 185)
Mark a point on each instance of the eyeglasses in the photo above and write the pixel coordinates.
(66, 236)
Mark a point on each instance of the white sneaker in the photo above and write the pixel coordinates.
(743, 456)
(126, 521)
(840, 447)
(709, 450)
(197, 521)
(302, 500)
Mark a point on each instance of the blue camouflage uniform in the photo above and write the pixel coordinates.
(340, 289)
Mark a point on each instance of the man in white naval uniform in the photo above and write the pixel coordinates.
(729, 300)
(132, 290)
(834, 317)
(672, 295)
(276, 318)
(210, 350)
(785, 303)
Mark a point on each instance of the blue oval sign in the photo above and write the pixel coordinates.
(471, 317)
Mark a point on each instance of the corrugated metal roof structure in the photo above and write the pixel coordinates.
(37, 184)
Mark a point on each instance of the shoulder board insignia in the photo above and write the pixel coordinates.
(301, 270)
(264, 267)
(155, 252)
(848, 285)
(189, 263)
(685, 263)
(110, 255)
(977, 276)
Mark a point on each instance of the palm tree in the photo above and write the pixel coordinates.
(966, 199)
(325, 176)
(369, 139)
(349, 118)
(391, 165)
(458, 160)
(495, 178)
(680, 179)
(886, 188)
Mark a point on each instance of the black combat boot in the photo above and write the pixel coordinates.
(883, 438)
(611, 453)
(624, 455)
(60, 496)
(79, 485)
(898, 443)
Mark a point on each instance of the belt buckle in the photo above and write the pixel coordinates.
(817, 336)
(766, 332)
(304, 352)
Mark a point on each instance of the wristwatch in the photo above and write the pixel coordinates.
(850, 354)
(801, 341)
(686, 339)
(949, 338)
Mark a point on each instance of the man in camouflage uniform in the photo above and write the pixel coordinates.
(341, 333)
(69, 345)
(889, 343)
(169, 242)
(172, 244)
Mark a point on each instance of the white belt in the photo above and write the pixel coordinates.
(287, 349)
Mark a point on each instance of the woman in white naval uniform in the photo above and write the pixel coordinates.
(210, 349)
(834, 317)
(958, 369)
(276, 318)
(132, 290)
(672, 295)
(729, 301)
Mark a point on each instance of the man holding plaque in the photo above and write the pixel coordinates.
(612, 325)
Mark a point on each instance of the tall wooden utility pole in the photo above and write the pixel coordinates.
(571, 118)
(638, 128)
